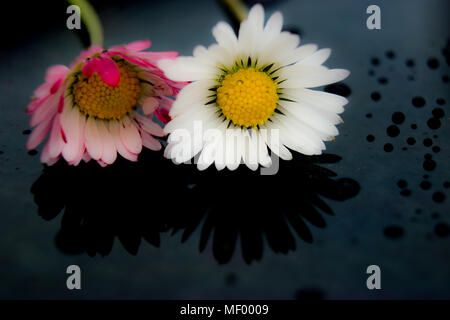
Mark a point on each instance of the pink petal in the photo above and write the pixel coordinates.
(61, 104)
(130, 137)
(55, 87)
(56, 72)
(45, 156)
(109, 154)
(42, 90)
(70, 122)
(93, 142)
(154, 57)
(81, 142)
(133, 47)
(86, 54)
(139, 45)
(86, 157)
(114, 129)
(35, 104)
(39, 134)
(106, 69)
(102, 163)
(149, 105)
(160, 86)
(90, 67)
(149, 126)
(149, 142)
(55, 142)
(47, 110)
(109, 72)
(163, 115)
(134, 60)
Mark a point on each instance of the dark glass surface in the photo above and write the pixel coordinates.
(380, 194)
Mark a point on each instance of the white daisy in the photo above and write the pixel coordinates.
(252, 92)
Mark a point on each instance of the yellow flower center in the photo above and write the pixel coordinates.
(95, 98)
(247, 97)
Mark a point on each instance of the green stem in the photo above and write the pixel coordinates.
(90, 20)
(237, 8)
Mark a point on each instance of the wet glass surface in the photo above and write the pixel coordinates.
(380, 194)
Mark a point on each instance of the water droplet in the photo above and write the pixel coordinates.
(418, 102)
(398, 117)
(375, 61)
(388, 147)
(433, 63)
(370, 138)
(402, 184)
(429, 165)
(425, 185)
(438, 197)
(376, 96)
(427, 142)
(393, 131)
(393, 232)
(442, 230)
(411, 141)
(438, 113)
(434, 123)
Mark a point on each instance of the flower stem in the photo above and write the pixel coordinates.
(90, 20)
(237, 8)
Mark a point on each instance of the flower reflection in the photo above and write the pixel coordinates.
(134, 201)
(125, 200)
(249, 207)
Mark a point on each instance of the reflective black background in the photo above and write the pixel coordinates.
(155, 230)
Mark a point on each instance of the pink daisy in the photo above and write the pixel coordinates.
(103, 104)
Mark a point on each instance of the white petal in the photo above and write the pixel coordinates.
(311, 118)
(274, 25)
(233, 147)
(279, 48)
(298, 54)
(225, 36)
(197, 112)
(250, 31)
(256, 17)
(273, 141)
(250, 149)
(303, 76)
(317, 58)
(293, 139)
(319, 99)
(219, 160)
(263, 155)
(187, 69)
(194, 93)
(212, 139)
